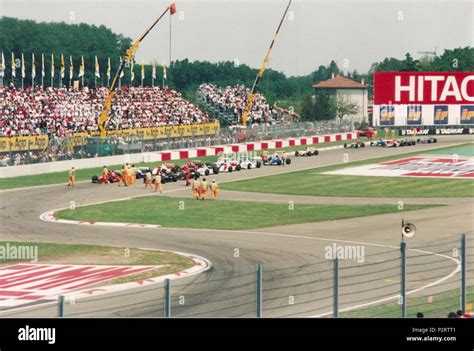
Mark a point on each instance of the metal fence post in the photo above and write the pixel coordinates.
(259, 291)
(463, 273)
(61, 302)
(403, 279)
(336, 288)
(167, 299)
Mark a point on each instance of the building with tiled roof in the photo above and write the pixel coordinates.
(355, 91)
(339, 82)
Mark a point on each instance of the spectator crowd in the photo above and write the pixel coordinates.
(60, 112)
(233, 100)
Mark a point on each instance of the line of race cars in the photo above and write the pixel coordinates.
(243, 160)
(391, 143)
(225, 163)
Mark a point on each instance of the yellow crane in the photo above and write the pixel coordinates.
(248, 105)
(127, 57)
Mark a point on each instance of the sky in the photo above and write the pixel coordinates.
(354, 33)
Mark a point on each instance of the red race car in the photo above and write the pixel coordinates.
(113, 176)
(366, 132)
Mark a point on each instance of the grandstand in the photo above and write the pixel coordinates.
(60, 112)
(228, 104)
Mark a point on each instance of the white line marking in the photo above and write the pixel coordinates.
(203, 265)
(378, 301)
(313, 238)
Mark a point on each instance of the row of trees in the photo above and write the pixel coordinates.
(19, 68)
(76, 40)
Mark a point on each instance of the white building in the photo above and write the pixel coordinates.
(355, 91)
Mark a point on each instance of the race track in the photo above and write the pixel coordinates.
(292, 255)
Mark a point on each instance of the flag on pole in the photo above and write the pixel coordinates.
(82, 68)
(121, 73)
(13, 65)
(2, 66)
(63, 67)
(153, 71)
(143, 71)
(132, 74)
(109, 69)
(97, 68)
(23, 72)
(33, 66)
(164, 72)
(52, 65)
(43, 73)
(71, 68)
(172, 9)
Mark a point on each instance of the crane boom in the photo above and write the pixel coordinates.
(127, 57)
(248, 105)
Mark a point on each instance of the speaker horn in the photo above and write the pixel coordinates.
(408, 230)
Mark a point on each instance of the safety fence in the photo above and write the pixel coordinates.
(433, 278)
(34, 150)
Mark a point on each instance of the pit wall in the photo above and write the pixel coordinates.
(172, 155)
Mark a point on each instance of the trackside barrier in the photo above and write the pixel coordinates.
(259, 291)
(335, 285)
(167, 299)
(169, 155)
(61, 302)
(463, 273)
(434, 278)
(403, 276)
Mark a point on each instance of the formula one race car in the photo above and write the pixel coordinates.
(226, 163)
(113, 177)
(201, 168)
(354, 145)
(380, 143)
(427, 140)
(406, 142)
(392, 143)
(385, 143)
(141, 171)
(247, 162)
(275, 160)
(307, 151)
(167, 175)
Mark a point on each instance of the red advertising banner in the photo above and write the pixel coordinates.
(424, 88)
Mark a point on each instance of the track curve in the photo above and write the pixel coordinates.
(228, 289)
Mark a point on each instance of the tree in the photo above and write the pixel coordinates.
(410, 65)
(308, 111)
(318, 107)
(387, 65)
(325, 107)
(325, 73)
(76, 40)
(345, 106)
(460, 59)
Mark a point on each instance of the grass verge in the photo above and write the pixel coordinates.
(106, 255)
(228, 215)
(441, 304)
(313, 182)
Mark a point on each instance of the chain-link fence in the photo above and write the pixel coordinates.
(70, 148)
(432, 279)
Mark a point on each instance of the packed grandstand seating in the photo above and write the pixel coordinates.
(233, 100)
(60, 112)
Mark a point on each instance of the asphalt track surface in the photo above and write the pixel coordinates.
(297, 280)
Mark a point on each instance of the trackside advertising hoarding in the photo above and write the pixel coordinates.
(438, 99)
